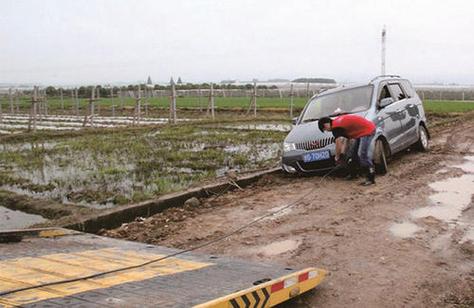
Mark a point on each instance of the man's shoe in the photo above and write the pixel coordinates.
(370, 178)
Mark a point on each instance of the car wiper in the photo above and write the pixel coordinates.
(310, 120)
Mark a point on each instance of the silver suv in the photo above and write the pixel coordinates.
(389, 101)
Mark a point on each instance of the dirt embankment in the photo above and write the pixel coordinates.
(407, 241)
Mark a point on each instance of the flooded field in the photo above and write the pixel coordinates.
(19, 122)
(126, 165)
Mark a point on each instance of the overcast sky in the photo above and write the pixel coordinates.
(102, 41)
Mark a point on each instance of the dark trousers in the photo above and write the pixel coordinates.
(359, 154)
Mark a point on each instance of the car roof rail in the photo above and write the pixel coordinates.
(381, 76)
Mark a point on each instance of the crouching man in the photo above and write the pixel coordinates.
(352, 126)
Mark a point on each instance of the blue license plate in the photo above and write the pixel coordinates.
(315, 156)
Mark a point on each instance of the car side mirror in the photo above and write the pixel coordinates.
(384, 102)
(294, 120)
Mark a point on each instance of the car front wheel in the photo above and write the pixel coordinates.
(423, 140)
(380, 157)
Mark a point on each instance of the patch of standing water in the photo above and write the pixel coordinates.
(404, 230)
(280, 247)
(267, 127)
(469, 235)
(10, 219)
(452, 197)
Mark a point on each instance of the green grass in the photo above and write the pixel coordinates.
(447, 106)
(226, 102)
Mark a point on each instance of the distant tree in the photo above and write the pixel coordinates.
(51, 91)
(82, 92)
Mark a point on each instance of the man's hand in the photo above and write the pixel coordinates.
(341, 160)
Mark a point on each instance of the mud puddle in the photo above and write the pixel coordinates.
(263, 126)
(10, 219)
(404, 229)
(451, 197)
(277, 248)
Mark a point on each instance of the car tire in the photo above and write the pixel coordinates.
(380, 157)
(423, 143)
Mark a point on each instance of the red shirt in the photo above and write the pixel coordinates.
(352, 126)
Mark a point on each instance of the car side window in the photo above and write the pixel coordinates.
(384, 93)
(407, 88)
(397, 92)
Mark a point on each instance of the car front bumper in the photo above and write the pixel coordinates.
(292, 162)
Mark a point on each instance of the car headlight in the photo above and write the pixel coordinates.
(288, 146)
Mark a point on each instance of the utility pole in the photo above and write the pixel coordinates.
(384, 34)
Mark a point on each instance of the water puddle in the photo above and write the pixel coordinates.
(405, 229)
(280, 247)
(10, 219)
(468, 236)
(452, 197)
(264, 126)
(468, 165)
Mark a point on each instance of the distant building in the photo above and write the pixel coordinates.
(149, 83)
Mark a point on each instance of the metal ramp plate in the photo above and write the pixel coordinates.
(60, 267)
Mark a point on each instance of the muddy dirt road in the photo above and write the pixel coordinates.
(406, 242)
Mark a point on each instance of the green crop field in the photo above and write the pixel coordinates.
(448, 106)
(225, 102)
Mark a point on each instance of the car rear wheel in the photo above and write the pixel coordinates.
(423, 141)
(380, 157)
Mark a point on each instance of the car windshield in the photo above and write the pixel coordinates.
(344, 101)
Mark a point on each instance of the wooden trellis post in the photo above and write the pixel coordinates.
(112, 94)
(172, 118)
(211, 102)
(253, 101)
(10, 96)
(62, 98)
(138, 111)
(33, 111)
(200, 99)
(113, 110)
(121, 99)
(76, 97)
(1, 112)
(44, 102)
(17, 101)
(90, 117)
(291, 101)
